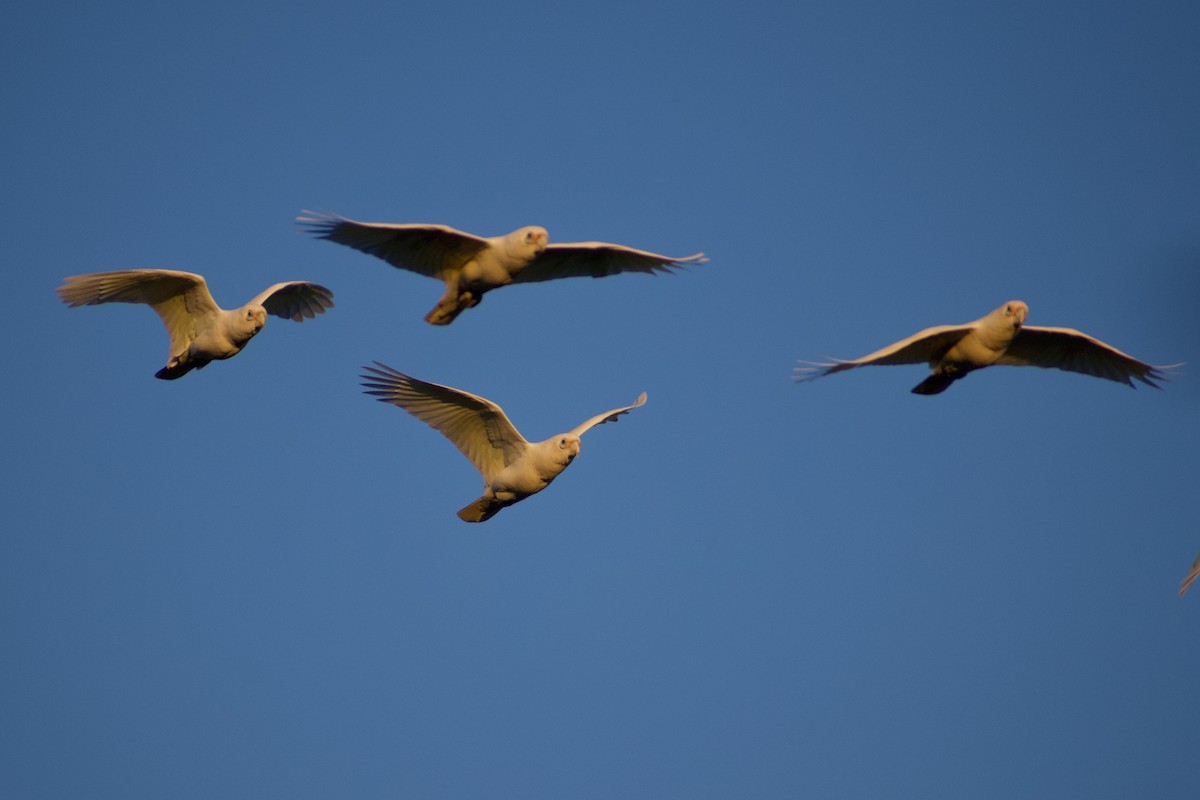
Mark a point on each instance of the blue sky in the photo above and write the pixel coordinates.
(251, 582)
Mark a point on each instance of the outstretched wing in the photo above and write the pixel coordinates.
(295, 300)
(425, 249)
(477, 427)
(924, 347)
(181, 299)
(607, 416)
(1073, 351)
(597, 260)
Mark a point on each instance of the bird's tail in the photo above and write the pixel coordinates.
(442, 314)
(176, 369)
(451, 305)
(936, 383)
(481, 510)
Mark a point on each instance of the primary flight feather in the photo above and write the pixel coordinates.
(200, 330)
(999, 339)
(512, 467)
(472, 265)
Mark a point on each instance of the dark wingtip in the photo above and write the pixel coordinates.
(1163, 374)
(319, 224)
(811, 370)
(377, 380)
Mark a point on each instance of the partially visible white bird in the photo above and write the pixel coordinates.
(200, 330)
(1000, 339)
(512, 467)
(1191, 577)
(472, 265)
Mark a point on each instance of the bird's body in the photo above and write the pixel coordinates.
(471, 266)
(512, 467)
(538, 465)
(498, 264)
(981, 346)
(215, 338)
(200, 331)
(1000, 338)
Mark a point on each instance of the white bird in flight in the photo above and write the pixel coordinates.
(1000, 339)
(472, 265)
(512, 467)
(200, 330)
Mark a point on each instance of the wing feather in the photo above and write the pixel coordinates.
(597, 260)
(478, 427)
(924, 347)
(1074, 351)
(295, 300)
(426, 249)
(607, 416)
(181, 299)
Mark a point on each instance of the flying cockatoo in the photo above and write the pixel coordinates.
(200, 330)
(512, 468)
(472, 265)
(1000, 339)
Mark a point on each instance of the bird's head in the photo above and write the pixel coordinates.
(529, 242)
(249, 320)
(569, 446)
(1015, 311)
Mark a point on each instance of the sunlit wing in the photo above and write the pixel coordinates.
(1074, 351)
(181, 299)
(477, 427)
(607, 416)
(920, 348)
(295, 300)
(423, 248)
(597, 260)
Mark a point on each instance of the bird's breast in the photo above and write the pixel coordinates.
(973, 351)
(486, 271)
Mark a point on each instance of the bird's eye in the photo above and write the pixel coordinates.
(562, 443)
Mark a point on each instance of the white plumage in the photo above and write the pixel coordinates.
(999, 339)
(472, 265)
(512, 467)
(200, 330)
